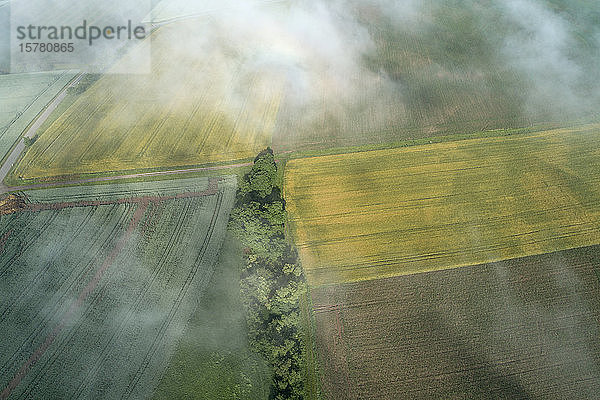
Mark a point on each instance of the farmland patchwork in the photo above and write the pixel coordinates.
(434, 270)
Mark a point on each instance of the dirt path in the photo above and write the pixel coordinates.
(32, 130)
(6, 189)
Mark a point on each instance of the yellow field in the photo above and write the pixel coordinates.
(390, 212)
(197, 110)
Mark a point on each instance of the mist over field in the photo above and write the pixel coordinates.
(229, 78)
(379, 70)
(315, 41)
(313, 74)
(102, 294)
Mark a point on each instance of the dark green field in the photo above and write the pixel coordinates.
(213, 359)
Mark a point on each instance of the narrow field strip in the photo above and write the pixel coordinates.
(36, 207)
(124, 192)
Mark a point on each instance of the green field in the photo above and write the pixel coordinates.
(516, 329)
(22, 98)
(390, 212)
(171, 117)
(213, 359)
(98, 286)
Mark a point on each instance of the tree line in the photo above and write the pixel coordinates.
(272, 280)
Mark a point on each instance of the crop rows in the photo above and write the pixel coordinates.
(436, 69)
(413, 88)
(521, 328)
(22, 97)
(384, 213)
(171, 117)
(95, 296)
(122, 191)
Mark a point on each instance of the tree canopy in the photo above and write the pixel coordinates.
(272, 280)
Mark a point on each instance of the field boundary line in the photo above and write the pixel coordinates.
(212, 189)
(14, 154)
(79, 182)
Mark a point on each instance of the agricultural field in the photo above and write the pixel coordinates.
(98, 287)
(22, 97)
(166, 10)
(240, 90)
(520, 328)
(433, 67)
(213, 359)
(463, 267)
(383, 213)
(185, 114)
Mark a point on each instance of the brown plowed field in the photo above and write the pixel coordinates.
(522, 328)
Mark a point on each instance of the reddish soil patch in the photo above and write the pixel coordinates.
(11, 204)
